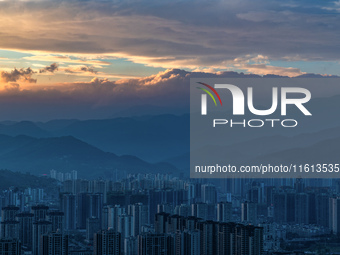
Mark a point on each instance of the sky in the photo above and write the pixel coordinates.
(94, 59)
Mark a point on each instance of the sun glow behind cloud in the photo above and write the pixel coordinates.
(96, 45)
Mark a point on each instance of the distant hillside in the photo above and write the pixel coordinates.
(39, 155)
(327, 151)
(24, 180)
(23, 128)
(151, 138)
(167, 137)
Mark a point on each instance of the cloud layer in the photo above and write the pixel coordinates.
(102, 98)
(175, 34)
(75, 41)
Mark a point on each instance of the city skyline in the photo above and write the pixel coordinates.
(149, 214)
(107, 107)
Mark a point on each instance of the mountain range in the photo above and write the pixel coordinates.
(40, 155)
(157, 143)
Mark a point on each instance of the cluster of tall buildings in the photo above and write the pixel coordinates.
(192, 235)
(60, 176)
(149, 214)
(42, 232)
(35, 231)
(21, 198)
(177, 235)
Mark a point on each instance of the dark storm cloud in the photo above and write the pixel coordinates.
(49, 69)
(18, 75)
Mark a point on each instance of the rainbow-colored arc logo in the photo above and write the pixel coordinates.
(209, 93)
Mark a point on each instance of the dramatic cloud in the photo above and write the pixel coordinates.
(103, 98)
(49, 69)
(199, 34)
(90, 43)
(18, 75)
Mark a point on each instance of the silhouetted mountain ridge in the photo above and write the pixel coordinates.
(38, 155)
(151, 138)
(23, 128)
